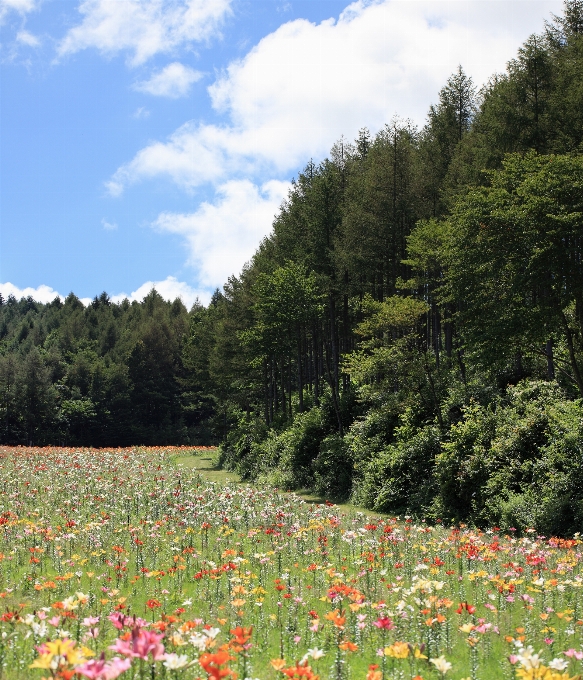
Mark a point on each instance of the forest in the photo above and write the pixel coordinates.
(409, 336)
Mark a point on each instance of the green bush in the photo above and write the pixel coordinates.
(399, 478)
(517, 463)
(333, 468)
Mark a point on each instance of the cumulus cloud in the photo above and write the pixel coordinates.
(223, 235)
(173, 81)
(170, 289)
(20, 6)
(41, 294)
(143, 27)
(304, 85)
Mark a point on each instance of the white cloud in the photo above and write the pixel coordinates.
(169, 289)
(173, 81)
(41, 294)
(27, 38)
(304, 85)
(108, 226)
(143, 27)
(20, 6)
(140, 113)
(222, 236)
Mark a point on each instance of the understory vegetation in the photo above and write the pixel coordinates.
(409, 336)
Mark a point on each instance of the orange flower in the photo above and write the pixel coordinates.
(337, 619)
(278, 664)
(300, 670)
(212, 662)
(242, 635)
(374, 675)
(347, 646)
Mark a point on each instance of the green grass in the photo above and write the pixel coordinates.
(205, 462)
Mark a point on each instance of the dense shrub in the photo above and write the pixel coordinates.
(399, 478)
(517, 463)
(333, 468)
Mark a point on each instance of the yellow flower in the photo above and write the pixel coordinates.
(398, 650)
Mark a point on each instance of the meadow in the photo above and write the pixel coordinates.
(130, 563)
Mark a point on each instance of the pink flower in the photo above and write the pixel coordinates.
(42, 615)
(513, 659)
(142, 644)
(90, 621)
(384, 623)
(117, 618)
(574, 653)
(120, 620)
(549, 641)
(55, 621)
(99, 669)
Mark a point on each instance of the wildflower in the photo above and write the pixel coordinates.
(347, 646)
(99, 669)
(212, 663)
(398, 650)
(574, 653)
(141, 645)
(173, 661)
(441, 664)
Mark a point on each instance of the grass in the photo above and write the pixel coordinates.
(206, 463)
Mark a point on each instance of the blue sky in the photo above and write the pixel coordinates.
(151, 142)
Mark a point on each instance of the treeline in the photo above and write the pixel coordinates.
(103, 375)
(410, 335)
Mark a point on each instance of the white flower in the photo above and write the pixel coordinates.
(212, 632)
(175, 661)
(199, 641)
(558, 664)
(40, 629)
(441, 664)
(314, 653)
(528, 660)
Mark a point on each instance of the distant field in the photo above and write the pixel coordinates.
(130, 563)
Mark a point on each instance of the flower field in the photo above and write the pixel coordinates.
(122, 563)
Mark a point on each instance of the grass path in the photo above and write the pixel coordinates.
(205, 462)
